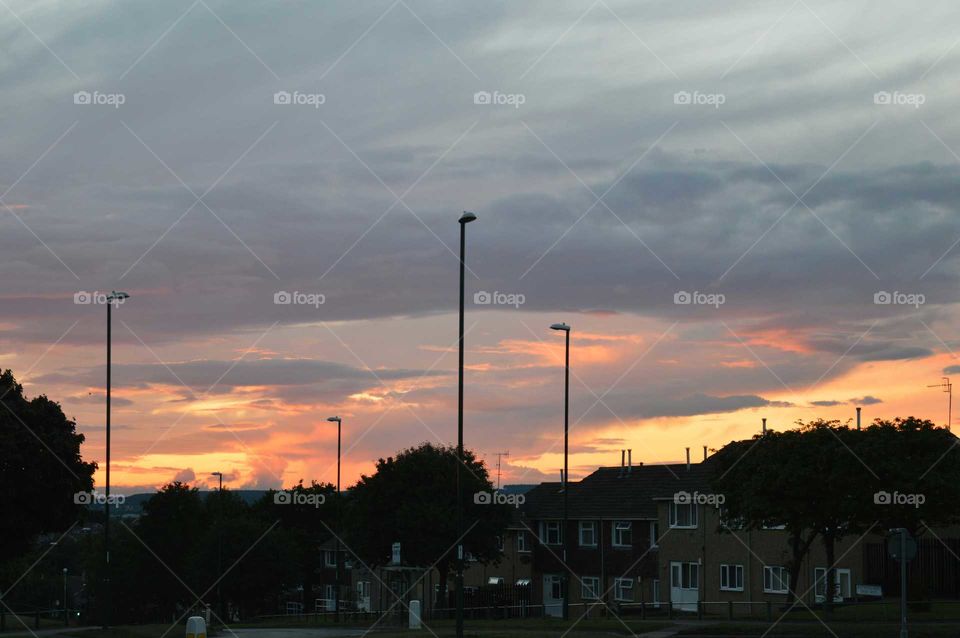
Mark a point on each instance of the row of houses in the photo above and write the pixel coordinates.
(650, 535)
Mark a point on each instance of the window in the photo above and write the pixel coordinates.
(330, 558)
(499, 543)
(623, 589)
(731, 577)
(685, 575)
(522, 545)
(551, 533)
(590, 588)
(776, 579)
(622, 533)
(683, 515)
(588, 534)
(363, 589)
(654, 534)
(656, 593)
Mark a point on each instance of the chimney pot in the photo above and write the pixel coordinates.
(688, 459)
(629, 460)
(704, 452)
(764, 425)
(858, 419)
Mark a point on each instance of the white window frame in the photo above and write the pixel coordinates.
(618, 528)
(731, 577)
(545, 529)
(329, 558)
(590, 588)
(500, 543)
(654, 528)
(620, 587)
(674, 518)
(656, 593)
(782, 575)
(522, 546)
(590, 526)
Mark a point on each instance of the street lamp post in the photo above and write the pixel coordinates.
(465, 219)
(337, 557)
(114, 298)
(219, 475)
(566, 439)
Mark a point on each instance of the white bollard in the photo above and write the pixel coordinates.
(414, 614)
(196, 627)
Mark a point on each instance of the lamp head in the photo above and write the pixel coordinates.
(118, 296)
(467, 217)
(560, 326)
(333, 419)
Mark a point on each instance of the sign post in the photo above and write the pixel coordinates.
(903, 550)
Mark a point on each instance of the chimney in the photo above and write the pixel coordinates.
(858, 419)
(764, 425)
(629, 461)
(623, 462)
(704, 452)
(688, 459)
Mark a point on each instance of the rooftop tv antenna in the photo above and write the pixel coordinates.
(948, 388)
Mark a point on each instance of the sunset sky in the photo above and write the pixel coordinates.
(789, 162)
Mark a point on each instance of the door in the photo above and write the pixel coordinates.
(684, 585)
(363, 595)
(841, 584)
(552, 595)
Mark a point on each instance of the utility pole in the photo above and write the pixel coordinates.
(948, 388)
(499, 455)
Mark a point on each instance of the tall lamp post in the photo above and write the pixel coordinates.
(114, 298)
(220, 543)
(566, 437)
(465, 219)
(337, 557)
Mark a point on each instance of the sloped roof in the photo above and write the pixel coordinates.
(616, 493)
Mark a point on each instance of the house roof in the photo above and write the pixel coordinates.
(618, 493)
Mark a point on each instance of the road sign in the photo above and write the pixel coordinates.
(894, 548)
